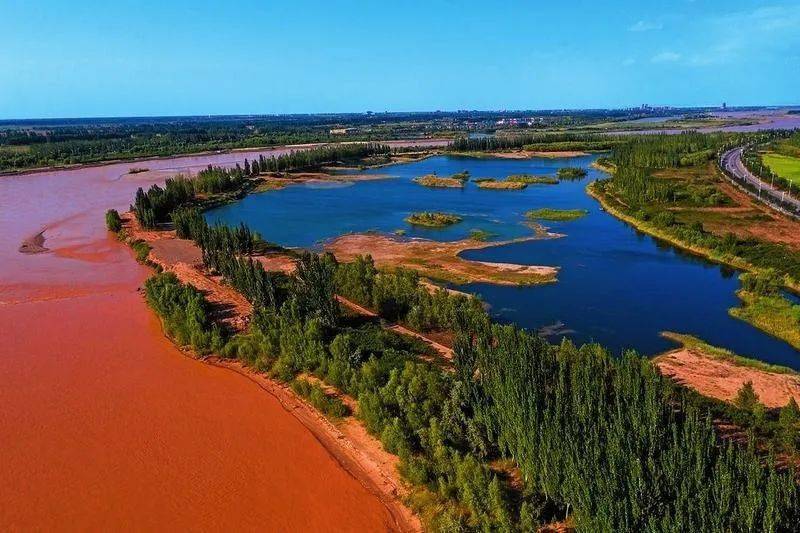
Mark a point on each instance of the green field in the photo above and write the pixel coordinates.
(785, 166)
(560, 215)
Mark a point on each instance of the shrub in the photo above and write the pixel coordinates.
(113, 221)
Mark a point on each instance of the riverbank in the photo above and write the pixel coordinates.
(610, 206)
(116, 426)
(523, 154)
(773, 314)
(400, 143)
(354, 449)
(720, 374)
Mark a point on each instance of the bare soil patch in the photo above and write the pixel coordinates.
(439, 260)
(722, 379)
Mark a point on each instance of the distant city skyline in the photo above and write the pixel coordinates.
(101, 59)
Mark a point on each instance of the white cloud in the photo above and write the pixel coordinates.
(644, 25)
(666, 57)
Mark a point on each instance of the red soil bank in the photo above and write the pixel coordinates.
(104, 423)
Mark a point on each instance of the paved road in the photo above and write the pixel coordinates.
(731, 162)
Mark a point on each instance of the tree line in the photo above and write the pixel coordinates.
(541, 141)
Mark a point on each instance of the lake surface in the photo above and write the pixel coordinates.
(616, 286)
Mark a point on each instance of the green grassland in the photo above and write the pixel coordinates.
(559, 215)
(785, 166)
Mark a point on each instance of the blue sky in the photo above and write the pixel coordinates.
(61, 58)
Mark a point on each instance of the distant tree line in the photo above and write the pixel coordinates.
(535, 141)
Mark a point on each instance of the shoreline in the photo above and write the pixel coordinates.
(441, 260)
(108, 162)
(354, 457)
(719, 374)
(736, 263)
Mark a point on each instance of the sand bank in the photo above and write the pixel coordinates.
(438, 260)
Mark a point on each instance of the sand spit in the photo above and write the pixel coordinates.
(438, 260)
(33, 244)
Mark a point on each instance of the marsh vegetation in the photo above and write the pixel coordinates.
(433, 219)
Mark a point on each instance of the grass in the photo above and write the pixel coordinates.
(142, 250)
(698, 345)
(530, 179)
(501, 185)
(481, 235)
(432, 219)
(330, 406)
(774, 314)
(571, 173)
(434, 181)
(785, 166)
(16, 149)
(559, 215)
(268, 184)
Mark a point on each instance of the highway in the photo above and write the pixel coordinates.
(731, 163)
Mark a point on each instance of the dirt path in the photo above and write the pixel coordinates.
(444, 351)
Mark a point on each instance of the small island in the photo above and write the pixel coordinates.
(491, 183)
(571, 173)
(456, 181)
(431, 219)
(531, 179)
(558, 215)
(137, 170)
(514, 182)
(481, 235)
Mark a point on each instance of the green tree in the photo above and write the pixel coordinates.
(787, 422)
(113, 220)
(746, 399)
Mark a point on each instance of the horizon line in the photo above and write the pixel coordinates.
(654, 107)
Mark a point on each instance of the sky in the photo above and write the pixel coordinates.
(62, 58)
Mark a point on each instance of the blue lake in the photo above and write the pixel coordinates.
(616, 286)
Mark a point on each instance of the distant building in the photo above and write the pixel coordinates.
(343, 131)
(724, 106)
